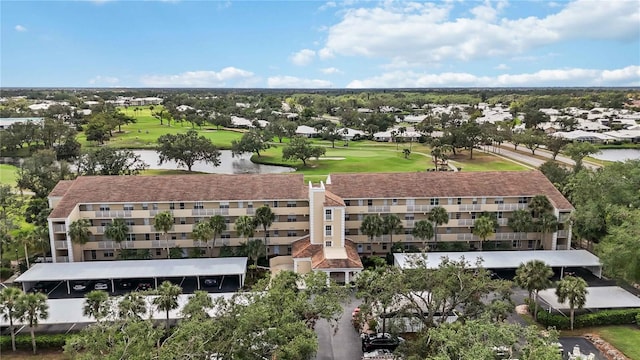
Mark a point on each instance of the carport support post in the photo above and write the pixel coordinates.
(561, 272)
(68, 288)
(198, 280)
(155, 281)
(113, 286)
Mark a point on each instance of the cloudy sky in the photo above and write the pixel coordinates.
(312, 44)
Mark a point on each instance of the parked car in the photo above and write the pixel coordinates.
(101, 285)
(41, 287)
(143, 286)
(380, 341)
(124, 284)
(79, 286)
(379, 354)
(211, 282)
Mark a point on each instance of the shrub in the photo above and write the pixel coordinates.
(5, 272)
(600, 318)
(43, 341)
(638, 319)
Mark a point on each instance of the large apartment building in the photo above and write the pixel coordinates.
(317, 225)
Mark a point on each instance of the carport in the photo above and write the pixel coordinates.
(601, 297)
(506, 259)
(134, 269)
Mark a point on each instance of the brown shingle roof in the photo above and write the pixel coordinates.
(210, 187)
(304, 249)
(446, 184)
(61, 188)
(331, 199)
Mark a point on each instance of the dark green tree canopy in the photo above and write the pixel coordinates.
(301, 148)
(110, 161)
(186, 149)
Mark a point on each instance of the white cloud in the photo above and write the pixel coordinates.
(502, 67)
(327, 5)
(331, 70)
(20, 28)
(427, 32)
(303, 57)
(104, 80)
(295, 82)
(628, 76)
(227, 77)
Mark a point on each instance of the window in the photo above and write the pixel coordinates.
(157, 236)
(275, 203)
(384, 246)
(174, 237)
(145, 206)
(530, 244)
(459, 201)
(516, 244)
(198, 205)
(172, 206)
(473, 215)
(328, 215)
(225, 236)
(181, 206)
(158, 252)
(131, 237)
(104, 208)
(347, 217)
(394, 201)
(328, 243)
(474, 201)
(147, 237)
(250, 205)
(347, 232)
(435, 201)
(347, 202)
(224, 205)
(128, 207)
(360, 202)
(89, 207)
(458, 215)
(448, 230)
(292, 218)
(498, 201)
(108, 254)
(409, 216)
(523, 200)
(275, 233)
(183, 236)
(328, 230)
(130, 222)
(183, 221)
(291, 204)
(93, 255)
(499, 215)
(288, 250)
(370, 202)
(266, 234)
(154, 206)
(146, 221)
(291, 233)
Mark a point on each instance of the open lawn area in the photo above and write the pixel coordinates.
(623, 338)
(8, 174)
(484, 162)
(144, 133)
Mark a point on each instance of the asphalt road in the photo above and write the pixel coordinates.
(343, 344)
(536, 162)
(586, 347)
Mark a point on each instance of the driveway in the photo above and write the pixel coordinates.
(343, 344)
(586, 347)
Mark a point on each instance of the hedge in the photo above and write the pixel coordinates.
(5, 273)
(43, 341)
(600, 318)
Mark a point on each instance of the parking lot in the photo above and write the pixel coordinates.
(215, 284)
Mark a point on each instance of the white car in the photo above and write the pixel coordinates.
(79, 287)
(101, 286)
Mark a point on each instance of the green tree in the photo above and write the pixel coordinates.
(555, 144)
(197, 305)
(96, 305)
(264, 217)
(483, 228)
(167, 298)
(98, 129)
(539, 205)
(110, 161)
(577, 151)
(373, 289)
(245, 226)
(574, 290)
(255, 249)
(619, 250)
(301, 148)
(520, 221)
(30, 309)
(252, 141)
(163, 222)
(79, 233)
(202, 232)
(41, 172)
(391, 224)
(534, 276)
(186, 149)
(218, 224)
(132, 306)
(532, 140)
(438, 216)
(10, 207)
(423, 230)
(9, 299)
(556, 173)
(371, 226)
(117, 230)
(27, 237)
(546, 223)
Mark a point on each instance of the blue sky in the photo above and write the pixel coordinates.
(313, 44)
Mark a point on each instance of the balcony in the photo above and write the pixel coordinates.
(59, 244)
(503, 221)
(469, 207)
(509, 236)
(466, 237)
(563, 233)
(62, 259)
(59, 228)
(113, 214)
(409, 223)
(158, 211)
(422, 208)
(466, 222)
(251, 211)
(511, 207)
(106, 244)
(162, 244)
(209, 212)
(378, 209)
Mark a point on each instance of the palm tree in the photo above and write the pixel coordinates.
(439, 216)
(163, 222)
(423, 230)
(391, 224)
(546, 223)
(521, 221)
(255, 249)
(539, 205)
(202, 232)
(132, 306)
(26, 237)
(264, 217)
(534, 276)
(483, 227)
(9, 298)
(439, 152)
(32, 308)
(167, 298)
(96, 305)
(79, 233)
(117, 230)
(245, 226)
(218, 224)
(574, 290)
(372, 227)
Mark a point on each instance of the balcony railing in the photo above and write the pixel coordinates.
(466, 222)
(209, 212)
(410, 223)
(61, 244)
(62, 258)
(106, 245)
(503, 221)
(467, 237)
(511, 207)
(379, 208)
(59, 228)
(100, 229)
(509, 236)
(251, 211)
(563, 233)
(113, 214)
(158, 211)
(469, 207)
(420, 207)
(162, 244)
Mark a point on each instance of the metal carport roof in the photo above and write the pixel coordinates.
(602, 297)
(505, 259)
(130, 269)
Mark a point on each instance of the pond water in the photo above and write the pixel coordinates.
(617, 154)
(228, 164)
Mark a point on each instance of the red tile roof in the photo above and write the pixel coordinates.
(446, 184)
(304, 249)
(61, 188)
(210, 187)
(331, 199)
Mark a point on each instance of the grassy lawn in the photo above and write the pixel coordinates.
(8, 174)
(484, 162)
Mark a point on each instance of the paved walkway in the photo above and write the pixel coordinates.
(535, 161)
(343, 344)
